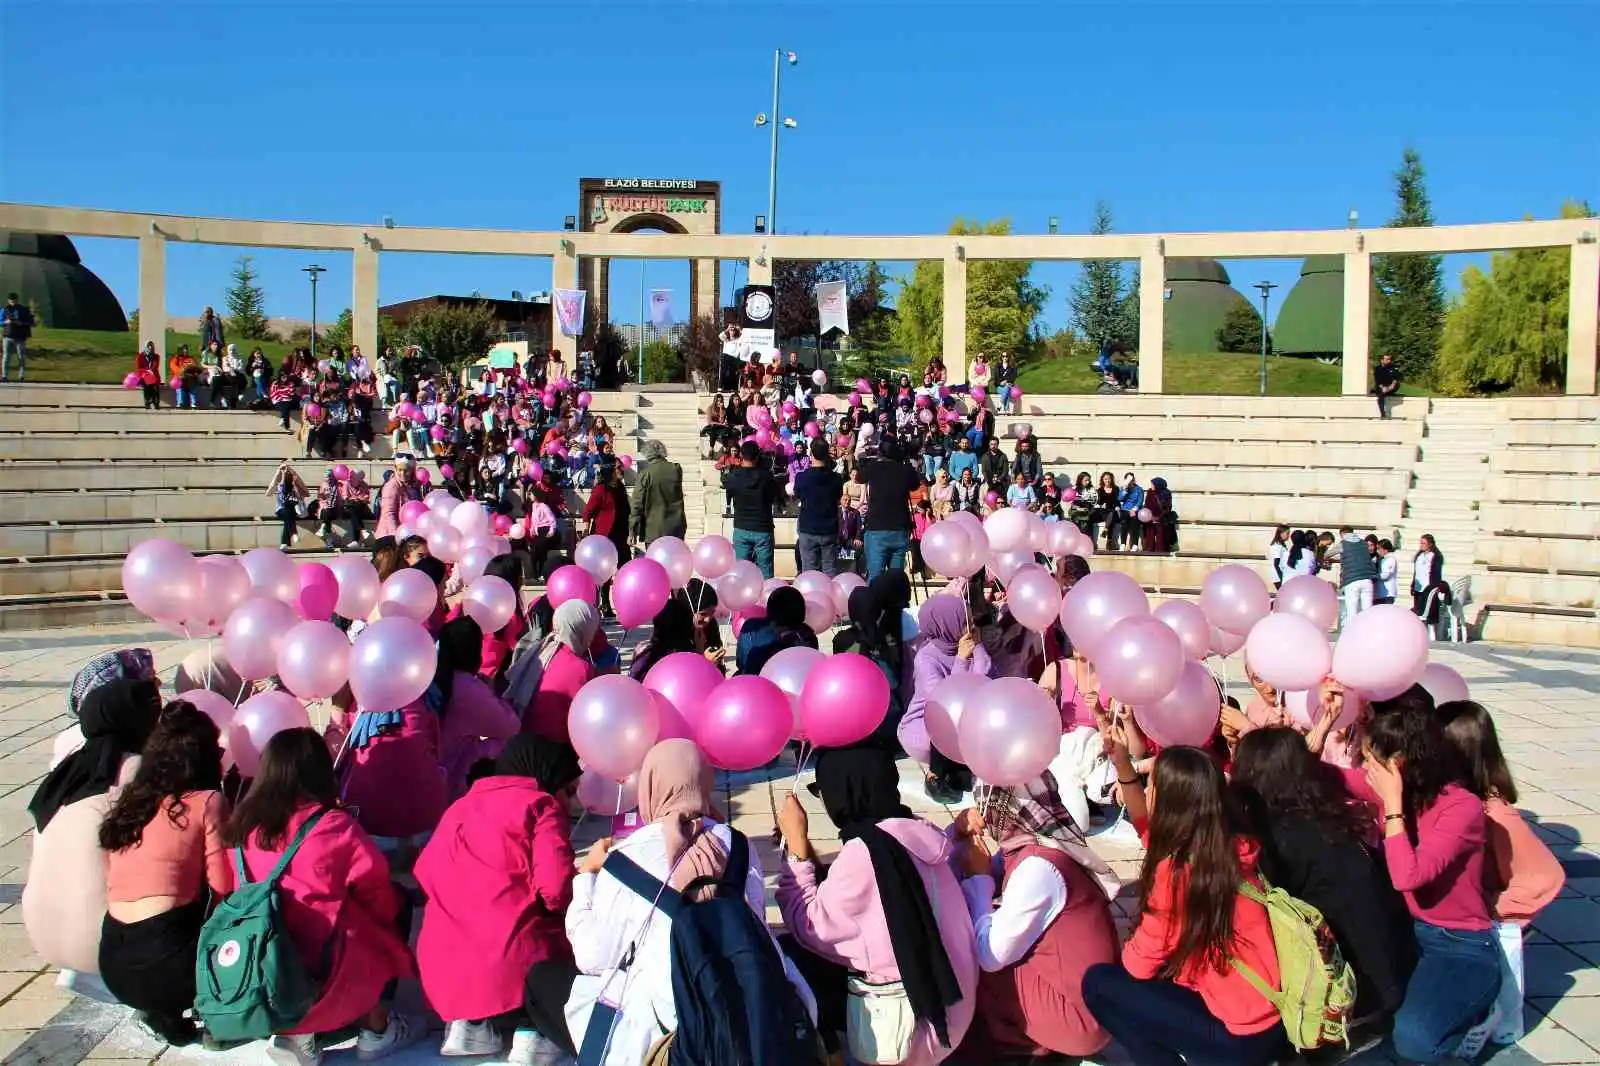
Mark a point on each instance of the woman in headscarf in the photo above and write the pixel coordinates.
(64, 899)
(474, 723)
(499, 645)
(890, 913)
(701, 597)
(950, 645)
(671, 631)
(876, 615)
(1052, 923)
(568, 660)
(608, 923)
(131, 663)
(498, 877)
(1161, 532)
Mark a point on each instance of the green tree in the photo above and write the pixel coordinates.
(1241, 330)
(1101, 299)
(247, 303)
(1003, 303)
(1508, 328)
(663, 363)
(454, 334)
(133, 321)
(342, 333)
(1408, 313)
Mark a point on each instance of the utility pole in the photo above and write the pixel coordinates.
(1266, 288)
(315, 271)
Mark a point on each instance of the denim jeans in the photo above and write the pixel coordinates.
(885, 550)
(818, 551)
(757, 547)
(931, 465)
(183, 397)
(1159, 1023)
(1455, 983)
(13, 347)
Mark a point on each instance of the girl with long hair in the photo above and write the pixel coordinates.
(1278, 554)
(338, 901)
(1435, 833)
(1178, 995)
(1521, 875)
(163, 844)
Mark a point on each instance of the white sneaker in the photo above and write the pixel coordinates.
(300, 1050)
(470, 1038)
(1477, 1038)
(353, 544)
(402, 1032)
(529, 1048)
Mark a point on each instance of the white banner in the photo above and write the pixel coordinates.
(833, 311)
(569, 311)
(661, 308)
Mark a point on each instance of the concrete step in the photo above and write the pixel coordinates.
(1514, 625)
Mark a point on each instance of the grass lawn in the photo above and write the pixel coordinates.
(95, 357)
(1200, 374)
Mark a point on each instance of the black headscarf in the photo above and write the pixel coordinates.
(434, 568)
(786, 608)
(700, 595)
(116, 719)
(860, 788)
(550, 763)
(671, 631)
(460, 651)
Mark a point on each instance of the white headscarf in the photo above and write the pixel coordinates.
(574, 625)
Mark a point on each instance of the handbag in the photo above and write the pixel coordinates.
(879, 1021)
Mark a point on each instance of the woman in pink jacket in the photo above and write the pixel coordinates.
(499, 646)
(498, 875)
(399, 490)
(474, 723)
(568, 658)
(338, 902)
(889, 924)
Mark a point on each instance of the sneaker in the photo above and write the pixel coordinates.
(353, 544)
(1476, 1039)
(402, 1032)
(470, 1039)
(942, 793)
(298, 1050)
(529, 1048)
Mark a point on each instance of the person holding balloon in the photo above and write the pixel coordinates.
(398, 491)
(569, 661)
(783, 627)
(474, 723)
(338, 901)
(950, 645)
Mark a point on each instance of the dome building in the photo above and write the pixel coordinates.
(1311, 321)
(45, 271)
(1201, 297)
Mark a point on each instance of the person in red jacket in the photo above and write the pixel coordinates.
(607, 514)
(1178, 996)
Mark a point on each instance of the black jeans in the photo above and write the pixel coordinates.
(290, 518)
(830, 983)
(149, 965)
(284, 408)
(544, 1000)
(152, 397)
(1159, 1023)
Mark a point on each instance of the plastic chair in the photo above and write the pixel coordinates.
(1456, 618)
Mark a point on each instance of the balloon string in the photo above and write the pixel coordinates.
(800, 767)
(618, 812)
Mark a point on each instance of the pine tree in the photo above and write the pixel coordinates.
(1408, 314)
(247, 303)
(1101, 309)
(1241, 329)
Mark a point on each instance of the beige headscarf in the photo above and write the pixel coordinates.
(573, 625)
(676, 784)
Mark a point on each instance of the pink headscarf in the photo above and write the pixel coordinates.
(676, 784)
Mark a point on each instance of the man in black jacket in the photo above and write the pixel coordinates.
(1385, 382)
(890, 480)
(753, 493)
(995, 468)
(817, 490)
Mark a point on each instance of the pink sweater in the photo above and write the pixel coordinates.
(475, 726)
(547, 711)
(1442, 875)
(1522, 875)
(396, 783)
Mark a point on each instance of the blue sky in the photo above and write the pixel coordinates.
(1192, 116)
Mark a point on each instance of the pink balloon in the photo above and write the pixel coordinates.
(741, 586)
(788, 670)
(946, 703)
(1096, 603)
(613, 725)
(844, 699)
(814, 583)
(1009, 731)
(162, 579)
(597, 555)
(584, 399)
(819, 612)
(473, 561)
(1381, 652)
(319, 592)
(946, 547)
(1034, 597)
(1234, 598)
(1288, 651)
(392, 664)
(132, 381)
(1305, 708)
(224, 585)
(1189, 622)
(675, 555)
(259, 719)
(571, 583)
(843, 585)
(253, 634)
(639, 590)
(713, 555)
(1443, 684)
(216, 707)
(1007, 530)
(979, 393)
(1062, 538)
(314, 660)
(272, 573)
(1186, 715)
(408, 594)
(601, 795)
(429, 523)
(750, 613)
(500, 524)
(445, 543)
(441, 502)
(470, 518)
(341, 472)
(1224, 643)
(1003, 565)
(683, 679)
(490, 601)
(743, 723)
(358, 586)
(674, 726)
(1311, 598)
(1139, 660)
(764, 438)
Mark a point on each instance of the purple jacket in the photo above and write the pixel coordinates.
(930, 667)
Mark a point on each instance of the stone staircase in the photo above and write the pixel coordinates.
(674, 419)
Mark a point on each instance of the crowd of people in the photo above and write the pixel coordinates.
(436, 842)
(1369, 569)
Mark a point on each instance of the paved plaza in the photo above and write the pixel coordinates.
(1544, 701)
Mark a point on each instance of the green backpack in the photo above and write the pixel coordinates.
(1319, 987)
(250, 981)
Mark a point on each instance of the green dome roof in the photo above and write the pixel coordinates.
(1311, 321)
(1201, 299)
(45, 271)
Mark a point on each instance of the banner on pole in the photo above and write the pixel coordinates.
(833, 311)
(569, 311)
(759, 308)
(661, 308)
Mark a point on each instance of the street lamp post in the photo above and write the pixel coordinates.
(1266, 288)
(315, 271)
(777, 122)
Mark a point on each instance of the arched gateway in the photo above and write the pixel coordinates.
(673, 205)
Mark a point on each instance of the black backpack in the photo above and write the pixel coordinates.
(735, 1004)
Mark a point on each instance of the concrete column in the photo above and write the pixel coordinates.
(1583, 320)
(759, 273)
(563, 275)
(153, 292)
(364, 301)
(1152, 321)
(955, 317)
(1357, 323)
